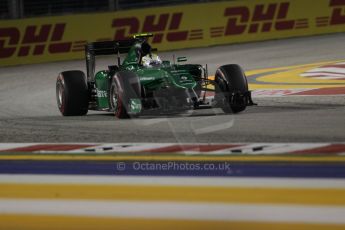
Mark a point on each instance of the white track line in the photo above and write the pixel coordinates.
(104, 148)
(323, 74)
(174, 181)
(327, 69)
(276, 92)
(330, 78)
(273, 148)
(5, 146)
(176, 210)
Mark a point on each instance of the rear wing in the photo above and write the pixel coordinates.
(94, 49)
(109, 47)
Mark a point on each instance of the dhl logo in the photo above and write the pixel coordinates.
(241, 19)
(36, 40)
(262, 18)
(157, 24)
(337, 17)
(270, 17)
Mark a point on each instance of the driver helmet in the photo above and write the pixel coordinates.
(151, 60)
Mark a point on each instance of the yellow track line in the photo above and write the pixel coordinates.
(291, 74)
(40, 222)
(307, 196)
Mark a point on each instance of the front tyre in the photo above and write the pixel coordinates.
(72, 93)
(125, 95)
(231, 88)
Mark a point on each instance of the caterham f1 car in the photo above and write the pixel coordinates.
(141, 81)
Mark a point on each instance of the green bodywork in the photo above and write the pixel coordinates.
(102, 89)
(151, 78)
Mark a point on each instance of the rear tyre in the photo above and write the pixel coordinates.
(231, 87)
(72, 93)
(125, 90)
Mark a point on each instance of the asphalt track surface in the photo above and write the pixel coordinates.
(28, 111)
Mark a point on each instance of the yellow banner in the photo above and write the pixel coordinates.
(45, 39)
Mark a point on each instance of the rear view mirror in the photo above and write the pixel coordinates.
(181, 59)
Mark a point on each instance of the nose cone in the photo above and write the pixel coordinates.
(182, 78)
(167, 76)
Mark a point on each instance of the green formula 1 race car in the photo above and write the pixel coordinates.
(141, 81)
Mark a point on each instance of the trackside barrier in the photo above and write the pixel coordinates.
(46, 39)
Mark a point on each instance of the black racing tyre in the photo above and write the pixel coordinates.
(72, 93)
(230, 79)
(124, 86)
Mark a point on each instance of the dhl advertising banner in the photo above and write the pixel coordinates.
(45, 39)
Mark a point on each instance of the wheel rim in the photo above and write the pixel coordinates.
(60, 96)
(114, 97)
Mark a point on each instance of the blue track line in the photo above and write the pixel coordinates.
(156, 168)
